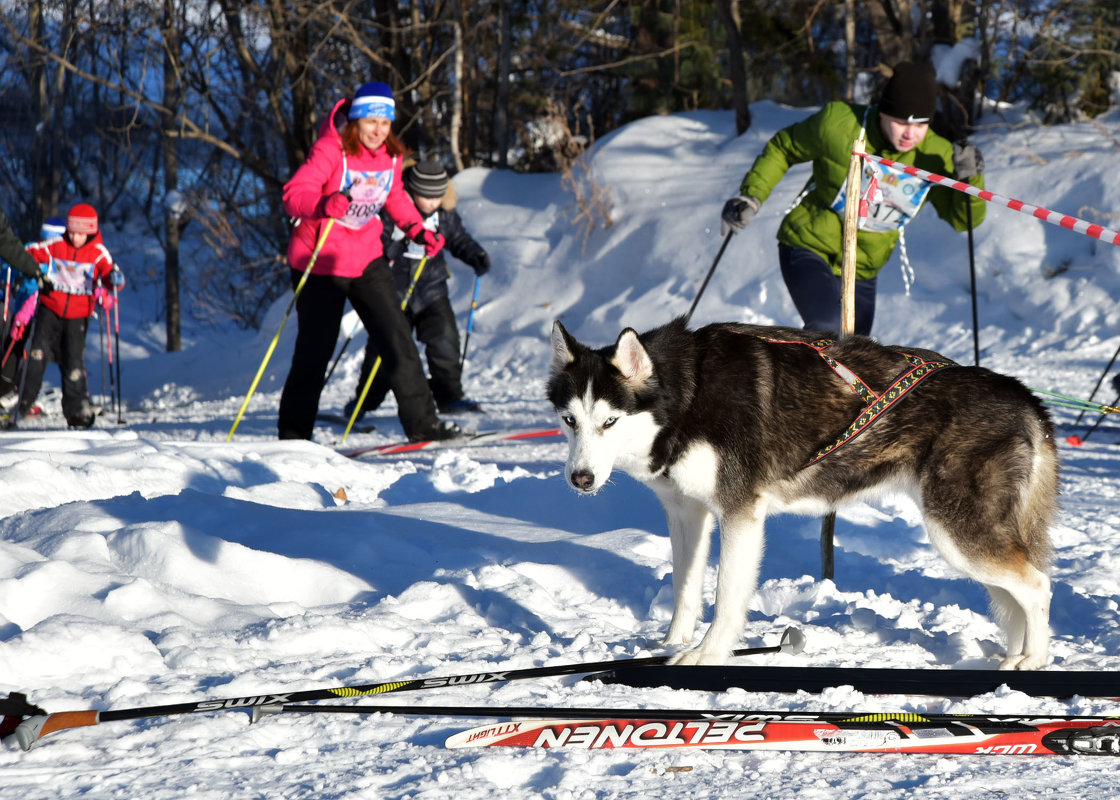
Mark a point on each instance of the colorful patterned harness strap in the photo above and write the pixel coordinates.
(875, 405)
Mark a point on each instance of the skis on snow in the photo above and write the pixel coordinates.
(30, 730)
(833, 732)
(467, 440)
(940, 682)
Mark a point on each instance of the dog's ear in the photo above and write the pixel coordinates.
(631, 359)
(562, 346)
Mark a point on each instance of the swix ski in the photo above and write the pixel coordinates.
(29, 731)
(851, 733)
(940, 682)
(468, 440)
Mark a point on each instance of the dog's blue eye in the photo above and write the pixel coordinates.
(609, 421)
(568, 420)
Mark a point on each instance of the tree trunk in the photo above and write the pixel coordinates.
(457, 100)
(501, 105)
(172, 100)
(891, 20)
(728, 11)
(850, 49)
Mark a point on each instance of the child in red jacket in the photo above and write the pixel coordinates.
(79, 270)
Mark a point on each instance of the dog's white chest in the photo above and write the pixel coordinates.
(696, 473)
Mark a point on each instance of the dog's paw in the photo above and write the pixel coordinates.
(676, 638)
(698, 657)
(1023, 662)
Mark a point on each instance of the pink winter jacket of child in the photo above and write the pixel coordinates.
(373, 181)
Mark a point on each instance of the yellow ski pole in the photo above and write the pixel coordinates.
(283, 322)
(377, 364)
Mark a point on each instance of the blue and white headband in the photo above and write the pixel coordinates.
(373, 106)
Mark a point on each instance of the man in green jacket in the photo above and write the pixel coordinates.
(810, 236)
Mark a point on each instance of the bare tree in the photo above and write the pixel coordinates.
(728, 11)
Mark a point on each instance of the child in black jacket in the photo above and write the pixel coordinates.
(429, 309)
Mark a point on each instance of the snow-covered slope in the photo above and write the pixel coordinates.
(155, 563)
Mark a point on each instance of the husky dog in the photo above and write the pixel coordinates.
(738, 422)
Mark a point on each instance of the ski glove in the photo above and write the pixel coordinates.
(737, 212)
(44, 281)
(967, 160)
(1116, 382)
(337, 205)
(481, 264)
(433, 242)
(116, 278)
(102, 298)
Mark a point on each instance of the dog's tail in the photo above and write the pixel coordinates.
(1038, 494)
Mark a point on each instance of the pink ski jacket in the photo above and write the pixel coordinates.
(373, 180)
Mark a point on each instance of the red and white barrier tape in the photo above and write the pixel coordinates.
(1054, 218)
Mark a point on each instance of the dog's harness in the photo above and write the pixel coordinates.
(875, 405)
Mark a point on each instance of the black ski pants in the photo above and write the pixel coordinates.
(64, 341)
(319, 311)
(435, 326)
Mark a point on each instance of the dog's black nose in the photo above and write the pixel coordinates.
(583, 480)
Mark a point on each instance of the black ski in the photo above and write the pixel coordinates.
(940, 682)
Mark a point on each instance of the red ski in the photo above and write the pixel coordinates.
(849, 733)
(467, 440)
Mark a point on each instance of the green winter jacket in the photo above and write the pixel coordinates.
(826, 139)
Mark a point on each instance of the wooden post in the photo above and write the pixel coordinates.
(847, 311)
(851, 228)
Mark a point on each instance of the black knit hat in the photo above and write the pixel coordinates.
(426, 179)
(911, 92)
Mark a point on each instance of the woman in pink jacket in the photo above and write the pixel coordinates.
(352, 172)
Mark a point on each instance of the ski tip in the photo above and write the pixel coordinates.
(1074, 440)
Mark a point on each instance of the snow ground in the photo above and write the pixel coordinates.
(154, 563)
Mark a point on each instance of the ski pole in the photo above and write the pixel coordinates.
(117, 342)
(34, 728)
(708, 277)
(112, 381)
(27, 343)
(377, 364)
(7, 297)
(349, 336)
(1100, 380)
(470, 324)
(972, 278)
(101, 347)
(276, 339)
(874, 717)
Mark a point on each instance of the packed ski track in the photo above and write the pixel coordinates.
(153, 562)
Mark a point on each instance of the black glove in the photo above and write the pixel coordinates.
(737, 212)
(967, 160)
(481, 264)
(1116, 382)
(13, 709)
(44, 281)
